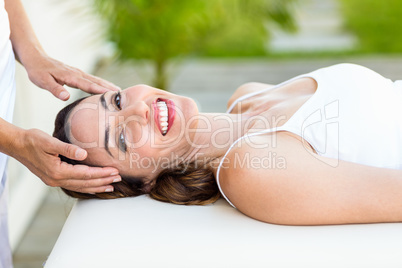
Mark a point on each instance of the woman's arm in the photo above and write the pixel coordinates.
(309, 189)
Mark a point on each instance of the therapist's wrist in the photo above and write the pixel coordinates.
(11, 138)
(30, 56)
(16, 147)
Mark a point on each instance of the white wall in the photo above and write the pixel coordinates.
(69, 32)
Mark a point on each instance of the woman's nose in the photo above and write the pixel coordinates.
(137, 111)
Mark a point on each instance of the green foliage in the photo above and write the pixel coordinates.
(160, 30)
(241, 27)
(376, 23)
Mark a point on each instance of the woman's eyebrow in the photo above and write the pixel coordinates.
(107, 128)
(103, 101)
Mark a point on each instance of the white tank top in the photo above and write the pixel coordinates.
(355, 115)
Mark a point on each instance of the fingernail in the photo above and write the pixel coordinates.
(80, 154)
(109, 189)
(64, 95)
(114, 173)
(117, 179)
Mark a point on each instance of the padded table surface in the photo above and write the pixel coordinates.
(141, 232)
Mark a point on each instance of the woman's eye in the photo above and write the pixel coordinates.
(117, 100)
(122, 142)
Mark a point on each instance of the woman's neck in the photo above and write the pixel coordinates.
(214, 134)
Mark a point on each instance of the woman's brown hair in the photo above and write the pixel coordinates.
(184, 184)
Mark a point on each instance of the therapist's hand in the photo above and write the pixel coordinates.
(40, 153)
(52, 75)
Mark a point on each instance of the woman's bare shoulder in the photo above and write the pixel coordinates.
(250, 158)
(288, 184)
(246, 89)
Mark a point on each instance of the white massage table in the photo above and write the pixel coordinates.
(141, 232)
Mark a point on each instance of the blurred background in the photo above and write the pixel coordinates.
(202, 49)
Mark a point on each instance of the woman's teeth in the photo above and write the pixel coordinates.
(163, 116)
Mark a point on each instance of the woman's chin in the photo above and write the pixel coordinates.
(194, 107)
(187, 107)
(191, 116)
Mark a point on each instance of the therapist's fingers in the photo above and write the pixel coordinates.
(87, 179)
(86, 85)
(83, 172)
(101, 82)
(53, 86)
(52, 75)
(76, 78)
(96, 190)
(40, 154)
(78, 171)
(92, 185)
(68, 150)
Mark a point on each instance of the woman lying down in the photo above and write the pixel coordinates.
(321, 148)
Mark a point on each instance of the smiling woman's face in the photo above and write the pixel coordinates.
(139, 130)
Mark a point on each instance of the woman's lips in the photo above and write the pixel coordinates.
(171, 114)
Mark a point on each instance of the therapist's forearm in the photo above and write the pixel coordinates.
(25, 43)
(10, 138)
